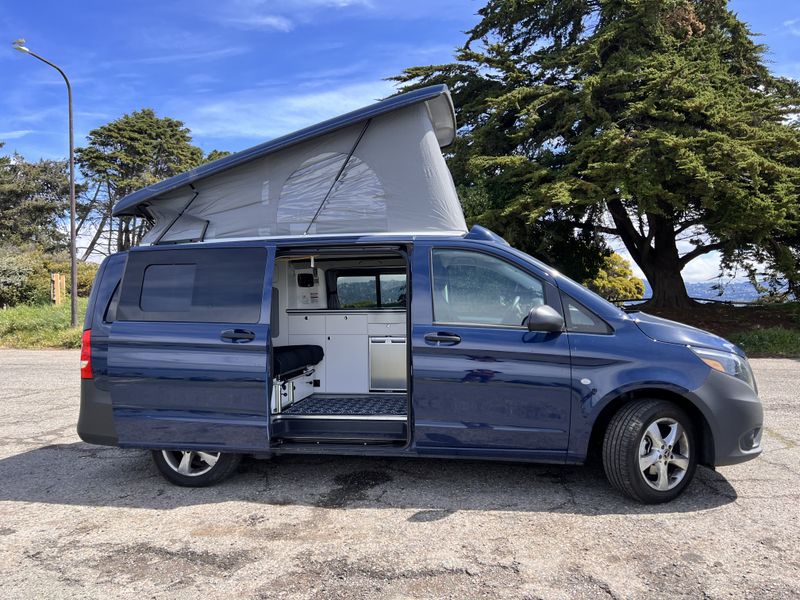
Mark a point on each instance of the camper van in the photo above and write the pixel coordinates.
(322, 294)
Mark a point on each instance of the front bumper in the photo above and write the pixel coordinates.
(735, 417)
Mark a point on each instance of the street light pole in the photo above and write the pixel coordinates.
(73, 258)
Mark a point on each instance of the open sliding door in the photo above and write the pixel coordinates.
(188, 352)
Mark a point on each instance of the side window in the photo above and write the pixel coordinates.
(374, 290)
(475, 288)
(580, 319)
(357, 291)
(111, 310)
(167, 288)
(222, 285)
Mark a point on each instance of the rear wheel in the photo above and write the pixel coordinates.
(649, 451)
(195, 468)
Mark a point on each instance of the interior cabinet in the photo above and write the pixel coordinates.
(347, 364)
(345, 340)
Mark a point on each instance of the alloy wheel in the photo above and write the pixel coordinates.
(189, 462)
(664, 454)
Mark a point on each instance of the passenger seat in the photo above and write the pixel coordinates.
(289, 359)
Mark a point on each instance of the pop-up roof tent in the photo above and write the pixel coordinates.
(375, 170)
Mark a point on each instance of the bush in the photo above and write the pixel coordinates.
(615, 281)
(19, 273)
(25, 276)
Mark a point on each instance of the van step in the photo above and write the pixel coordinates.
(372, 405)
(340, 430)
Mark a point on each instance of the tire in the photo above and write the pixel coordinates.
(657, 433)
(194, 468)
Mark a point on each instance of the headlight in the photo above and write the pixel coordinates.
(727, 362)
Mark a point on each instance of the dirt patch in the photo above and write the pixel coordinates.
(352, 487)
(166, 565)
(342, 578)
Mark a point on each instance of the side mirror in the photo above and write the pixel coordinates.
(545, 318)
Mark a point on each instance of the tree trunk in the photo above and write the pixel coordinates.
(656, 253)
(95, 238)
(669, 290)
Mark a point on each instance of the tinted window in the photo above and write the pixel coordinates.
(111, 310)
(475, 288)
(580, 319)
(167, 288)
(371, 291)
(207, 285)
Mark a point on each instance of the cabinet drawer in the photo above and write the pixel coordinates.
(386, 328)
(347, 324)
(387, 317)
(304, 324)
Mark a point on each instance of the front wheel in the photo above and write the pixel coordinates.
(195, 468)
(649, 451)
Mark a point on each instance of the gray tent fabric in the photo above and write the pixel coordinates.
(395, 181)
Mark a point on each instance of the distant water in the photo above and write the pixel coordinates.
(737, 291)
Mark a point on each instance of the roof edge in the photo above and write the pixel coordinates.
(440, 109)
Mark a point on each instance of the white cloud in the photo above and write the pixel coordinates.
(703, 268)
(278, 15)
(793, 26)
(198, 55)
(259, 116)
(275, 22)
(13, 135)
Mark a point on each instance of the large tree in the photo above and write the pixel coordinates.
(136, 150)
(653, 120)
(33, 202)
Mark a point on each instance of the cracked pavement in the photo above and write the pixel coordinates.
(81, 521)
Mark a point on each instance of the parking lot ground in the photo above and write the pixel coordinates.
(81, 521)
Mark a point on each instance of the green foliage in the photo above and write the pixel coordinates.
(615, 281)
(137, 150)
(215, 155)
(18, 272)
(132, 152)
(25, 275)
(41, 326)
(33, 198)
(771, 342)
(647, 119)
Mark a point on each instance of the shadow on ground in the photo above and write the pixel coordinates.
(84, 475)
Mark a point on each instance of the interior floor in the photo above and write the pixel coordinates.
(367, 405)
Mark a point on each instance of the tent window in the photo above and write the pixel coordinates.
(358, 197)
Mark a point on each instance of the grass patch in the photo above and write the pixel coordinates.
(41, 326)
(770, 342)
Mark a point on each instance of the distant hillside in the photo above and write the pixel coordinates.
(738, 291)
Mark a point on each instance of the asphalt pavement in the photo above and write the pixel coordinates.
(81, 521)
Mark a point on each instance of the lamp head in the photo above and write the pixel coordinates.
(19, 44)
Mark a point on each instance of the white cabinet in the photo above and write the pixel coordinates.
(352, 324)
(346, 364)
(386, 328)
(344, 338)
(304, 324)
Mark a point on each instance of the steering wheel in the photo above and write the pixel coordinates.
(514, 311)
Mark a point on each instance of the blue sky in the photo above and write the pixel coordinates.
(238, 72)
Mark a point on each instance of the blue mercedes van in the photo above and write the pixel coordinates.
(282, 304)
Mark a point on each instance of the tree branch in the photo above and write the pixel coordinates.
(699, 251)
(625, 229)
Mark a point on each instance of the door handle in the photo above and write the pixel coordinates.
(239, 336)
(442, 339)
